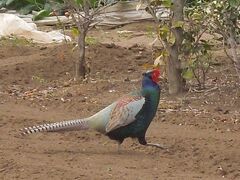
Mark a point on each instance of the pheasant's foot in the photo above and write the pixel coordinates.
(156, 145)
(119, 148)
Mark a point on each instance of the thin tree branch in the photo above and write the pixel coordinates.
(200, 35)
(152, 12)
(76, 22)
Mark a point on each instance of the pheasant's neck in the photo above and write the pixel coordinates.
(153, 101)
(152, 97)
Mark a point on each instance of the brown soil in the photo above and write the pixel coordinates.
(200, 128)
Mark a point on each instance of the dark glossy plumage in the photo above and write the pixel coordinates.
(137, 129)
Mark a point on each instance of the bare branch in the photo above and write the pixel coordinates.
(152, 12)
(73, 5)
(78, 24)
(216, 25)
(200, 35)
(82, 16)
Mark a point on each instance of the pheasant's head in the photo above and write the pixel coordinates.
(153, 75)
(150, 82)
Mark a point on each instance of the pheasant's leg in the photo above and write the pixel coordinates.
(119, 144)
(119, 147)
(143, 141)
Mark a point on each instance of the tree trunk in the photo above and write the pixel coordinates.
(80, 64)
(176, 82)
(175, 79)
(233, 44)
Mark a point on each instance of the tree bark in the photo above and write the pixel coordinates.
(80, 64)
(233, 44)
(83, 23)
(176, 82)
(175, 79)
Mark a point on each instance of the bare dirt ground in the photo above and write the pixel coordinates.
(201, 129)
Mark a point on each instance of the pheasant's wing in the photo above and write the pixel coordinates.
(125, 111)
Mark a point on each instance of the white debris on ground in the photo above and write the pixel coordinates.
(13, 25)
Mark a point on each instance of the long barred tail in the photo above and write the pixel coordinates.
(72, 125)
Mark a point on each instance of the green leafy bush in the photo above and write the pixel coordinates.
(43, 7)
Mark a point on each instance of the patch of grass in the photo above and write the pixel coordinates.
(90, 40)
(15, 41)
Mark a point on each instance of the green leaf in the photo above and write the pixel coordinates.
(79, 2)
(197, 16)
(188, 74)
(3, 3)
(75, 32)
(178, 24)
(167, 3)
(41, 14)
(171, 39)
(31, 1)
(27, 9)
(191, 63)
(39, 4)
(165, 53)
(234, 3)
(164, 31)
(47, 7)
(94, 3)
(9, 2)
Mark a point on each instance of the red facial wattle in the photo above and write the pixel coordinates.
(156, 75)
